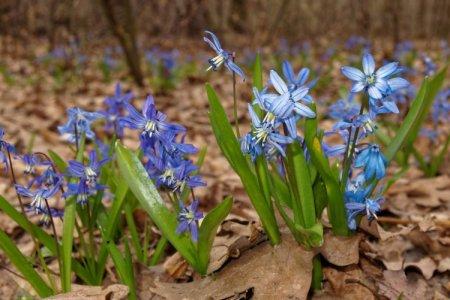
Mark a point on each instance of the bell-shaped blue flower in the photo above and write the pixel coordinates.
(79, 122)
(373, 162)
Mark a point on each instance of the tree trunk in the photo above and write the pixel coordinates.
(124, 30)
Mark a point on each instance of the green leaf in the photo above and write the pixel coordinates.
(262, 173)
(313, 236)
(336, 207)
(208, 230)
(302, 182)
(44, 238)
(257, 73)
(135, 175)
(231, 150)
(58, 161)
(123, 267)
(417, 114)
(320, 195)
(23, 265)
(70, 209)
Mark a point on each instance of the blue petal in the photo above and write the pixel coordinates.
(352, 73)
(368, 64)
(288, 72)
(397, 83)
(358, 87)
(374, 92)
(386, 70)
(278, 83)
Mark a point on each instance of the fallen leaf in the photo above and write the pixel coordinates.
(282, 272)
(84, 292)
(340, 251)
(395, 285)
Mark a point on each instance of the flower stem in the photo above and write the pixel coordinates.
(235, 108)
(349, 153)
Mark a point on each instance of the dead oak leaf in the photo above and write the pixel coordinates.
(281, 272)
(340, 251)
(395, 285)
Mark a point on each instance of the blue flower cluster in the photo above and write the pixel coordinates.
(164, 149)
(354, 124)
(277, 125)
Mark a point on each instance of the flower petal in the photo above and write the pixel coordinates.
(352, 73)
(368, 64)
(386, 70)
(278, 83)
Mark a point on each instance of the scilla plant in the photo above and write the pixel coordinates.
(286, 163)
(95, 194)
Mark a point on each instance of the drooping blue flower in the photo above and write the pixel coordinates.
(375, 83)
(430, 66)
(373, 162)
(223, 56)
(38, 196)
(369, 207)
(31, 161)
(47, 179)
(188, 218)
(89, 172)
(151, 122)
(79, 122)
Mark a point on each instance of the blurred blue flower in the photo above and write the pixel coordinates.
(430, 66)
(5, 147)
(79, 122)
(440, 111)
(115, 109)
(345, 108)
(223, 56)
(188, 218)
(375, 83)
(373, 162)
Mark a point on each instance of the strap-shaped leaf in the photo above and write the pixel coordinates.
(336, 206)
(417, 114)
(135, 175)
(208, 230)
(23, 265)
(231, 150)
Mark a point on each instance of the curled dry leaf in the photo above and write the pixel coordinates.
(84, 292)
(344, 285)
(424, 264)
(395, 285)
(340, 251)
(258, 270)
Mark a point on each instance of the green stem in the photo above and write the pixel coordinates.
(235, 108)
(262, 173)
(317, 275)
(159, 251)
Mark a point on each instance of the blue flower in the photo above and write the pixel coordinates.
(375, 83)
(5, 147)
(151, 122)
(31, 161)
(48, 178)
(288, 101)
(265, 134)
(115, 109)
(295, 82)
(223, 56)
(38, 196)
(369, 207)
(373, 162)
(79, 121)
(82, 190)
(430, 66)
(344, 109)
(173, 173)
(188, 218)
(89, 172)
(441, 107)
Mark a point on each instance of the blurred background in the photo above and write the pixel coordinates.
(136, 25)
